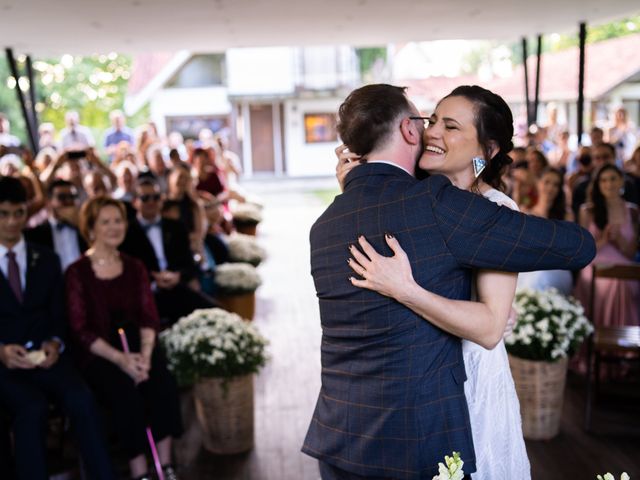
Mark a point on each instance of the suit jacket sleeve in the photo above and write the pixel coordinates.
(148, 313)
(57, 311)
(481, 234)
(178, 252)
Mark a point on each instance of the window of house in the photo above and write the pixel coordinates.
(201, 71)
(320, 127)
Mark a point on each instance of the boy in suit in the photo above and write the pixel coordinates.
(32, 318)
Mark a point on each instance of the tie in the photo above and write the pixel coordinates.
(14, 276)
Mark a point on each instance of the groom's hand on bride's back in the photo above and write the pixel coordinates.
(347, 161)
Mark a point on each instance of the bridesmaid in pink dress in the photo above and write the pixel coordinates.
(614, 225)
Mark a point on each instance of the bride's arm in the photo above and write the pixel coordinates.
(481, 322)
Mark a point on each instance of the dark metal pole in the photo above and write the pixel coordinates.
(536, 96)
(32, 98)
(526, 79)
(583, 39)
(14, 71)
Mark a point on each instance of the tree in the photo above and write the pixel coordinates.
(92, 85)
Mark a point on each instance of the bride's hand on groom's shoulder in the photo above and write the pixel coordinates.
(390, 276)
(347, 161)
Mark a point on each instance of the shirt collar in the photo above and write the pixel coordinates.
(391, 163)
(19, 248)
(144, 222)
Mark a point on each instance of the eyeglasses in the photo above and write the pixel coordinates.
(425, 120)
(151, 197)
(67, 197)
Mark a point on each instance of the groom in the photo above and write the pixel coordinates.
(392, 401)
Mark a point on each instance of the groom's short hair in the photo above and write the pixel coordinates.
(367, 116)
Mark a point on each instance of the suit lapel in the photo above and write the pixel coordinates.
(33, 262)
(167, 237)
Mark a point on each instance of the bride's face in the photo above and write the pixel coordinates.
(451, 139)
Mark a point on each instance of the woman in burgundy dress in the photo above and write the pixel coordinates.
(107, 291)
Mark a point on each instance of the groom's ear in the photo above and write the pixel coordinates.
(410, 132)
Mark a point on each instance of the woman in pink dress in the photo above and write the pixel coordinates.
(614, 224)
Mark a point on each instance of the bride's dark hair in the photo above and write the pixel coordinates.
(494, 124)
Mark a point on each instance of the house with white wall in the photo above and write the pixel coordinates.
(276, 106)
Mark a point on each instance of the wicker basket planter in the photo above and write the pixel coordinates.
(540, 387)
(225, 413)
(245, 227)
(186, 447)
(244, 304)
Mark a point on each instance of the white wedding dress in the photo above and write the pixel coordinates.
(494, 408)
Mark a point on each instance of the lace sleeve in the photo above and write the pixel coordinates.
(77, 307)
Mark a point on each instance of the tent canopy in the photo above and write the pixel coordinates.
(45, 27)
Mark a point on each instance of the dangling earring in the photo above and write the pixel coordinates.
(478, 165)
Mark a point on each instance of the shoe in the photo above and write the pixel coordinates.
(146, 476)
(169, 473)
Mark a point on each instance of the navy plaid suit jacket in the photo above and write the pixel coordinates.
(392, 399)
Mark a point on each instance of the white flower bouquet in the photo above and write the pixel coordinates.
(247, 213)
(550, 326)
(212, 343)
(245, 248)
(236, 278)
(451, 469)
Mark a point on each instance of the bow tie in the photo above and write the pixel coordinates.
(63, 225)
(148, 226)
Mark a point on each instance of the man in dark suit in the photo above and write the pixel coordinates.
(392, 401)
(163, 246)
(32, 317)
(60, 232)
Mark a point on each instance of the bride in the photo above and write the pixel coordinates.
(467, 140)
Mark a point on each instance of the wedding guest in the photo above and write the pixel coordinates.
(208, 175)
(181, 189)
(95, 184)
(126, 174)
(603, 154)
(551, 204)
(214, 248)
(562, 157)
(614, 224)
(596, 135)
(75, 137)
(163, 246)
(623, 135)
(46, 134)
(32, 313)
(6, 139)
(536, 161)
(118, 133)
(108, 291)
(59, 232)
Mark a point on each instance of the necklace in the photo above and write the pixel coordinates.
(101, 262)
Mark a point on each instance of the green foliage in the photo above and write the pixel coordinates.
(9, 103)
(369, 56)
(92, 85)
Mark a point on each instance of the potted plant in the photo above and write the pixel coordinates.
(218, 352)
(236, 285)
(246, 217)
(550, 329)
(244, 248)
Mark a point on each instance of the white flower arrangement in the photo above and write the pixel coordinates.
(247, 213)
(550, 325)
(213, 343)
(245, 248)
(451, 469)
(608, 476)
(236, 278)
